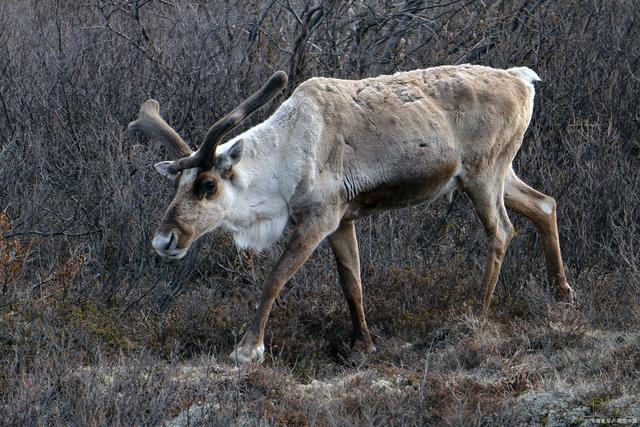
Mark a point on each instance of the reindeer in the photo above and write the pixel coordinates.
(339, 150)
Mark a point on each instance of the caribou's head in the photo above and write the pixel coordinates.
(204, 179)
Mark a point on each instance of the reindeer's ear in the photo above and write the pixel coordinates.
(163, 169)
(227, 160)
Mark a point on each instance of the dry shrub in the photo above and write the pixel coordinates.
(82, 289)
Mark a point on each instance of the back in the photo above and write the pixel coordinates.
(414, 126)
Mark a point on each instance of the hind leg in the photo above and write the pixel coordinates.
(489, 205)
(541, 210)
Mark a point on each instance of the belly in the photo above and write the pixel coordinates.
(403, 192)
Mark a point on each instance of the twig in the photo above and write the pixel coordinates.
(49, 233)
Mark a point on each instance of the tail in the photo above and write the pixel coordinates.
(528, 76)
(525, 73)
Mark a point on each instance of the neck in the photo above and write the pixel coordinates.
(260, 212)
(275, 163)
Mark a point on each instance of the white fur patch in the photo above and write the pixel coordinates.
(261, 234)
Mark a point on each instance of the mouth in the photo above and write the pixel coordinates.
(173, 253)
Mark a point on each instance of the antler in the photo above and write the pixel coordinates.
(150, 122)
(205, 155)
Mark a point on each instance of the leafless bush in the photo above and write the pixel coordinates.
(79, 202)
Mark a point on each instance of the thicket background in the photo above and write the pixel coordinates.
(94, 326)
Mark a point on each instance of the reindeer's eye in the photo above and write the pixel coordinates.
(208, 186)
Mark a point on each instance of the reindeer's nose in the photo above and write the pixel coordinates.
(164, 241)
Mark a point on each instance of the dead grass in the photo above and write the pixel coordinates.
(143, 368)
(95, 329)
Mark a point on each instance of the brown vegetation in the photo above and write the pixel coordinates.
(96, 329)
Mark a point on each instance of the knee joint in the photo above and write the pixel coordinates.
(547, 205)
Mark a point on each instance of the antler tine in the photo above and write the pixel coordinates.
(150, 122)
(206, 152)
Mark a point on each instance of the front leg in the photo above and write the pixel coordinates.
(345, 248)
(308, 233)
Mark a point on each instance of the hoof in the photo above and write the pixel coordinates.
(245, 355)
(363, 345)
(566, 292)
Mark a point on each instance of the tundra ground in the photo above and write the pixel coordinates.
(96, 329)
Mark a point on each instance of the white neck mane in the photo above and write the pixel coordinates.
(261, 234)
(268, 174)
